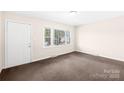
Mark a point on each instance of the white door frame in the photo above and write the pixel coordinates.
(6, 39)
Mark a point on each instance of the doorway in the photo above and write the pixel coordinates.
(17, 44)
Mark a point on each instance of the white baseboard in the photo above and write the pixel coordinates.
(100, 55)
(52, 56)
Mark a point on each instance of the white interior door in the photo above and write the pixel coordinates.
(18, 44)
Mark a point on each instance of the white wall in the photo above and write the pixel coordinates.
(0, 41)
(104, 38)
(38, 52)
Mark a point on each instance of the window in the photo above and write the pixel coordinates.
(54, 37)
(59, 37)
(47, 37)
(68, 37)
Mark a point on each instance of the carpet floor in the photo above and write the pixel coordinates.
(74, 66)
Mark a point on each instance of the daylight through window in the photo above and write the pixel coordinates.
(56, 37)
(47, 37)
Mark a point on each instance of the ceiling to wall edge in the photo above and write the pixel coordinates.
(71, 18)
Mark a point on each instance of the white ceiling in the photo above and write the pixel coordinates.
(74, 19)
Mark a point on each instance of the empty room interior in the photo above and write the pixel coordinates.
(61, 46)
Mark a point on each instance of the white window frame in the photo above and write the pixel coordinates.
(52, 37)
(44, 37)
(69, 37)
